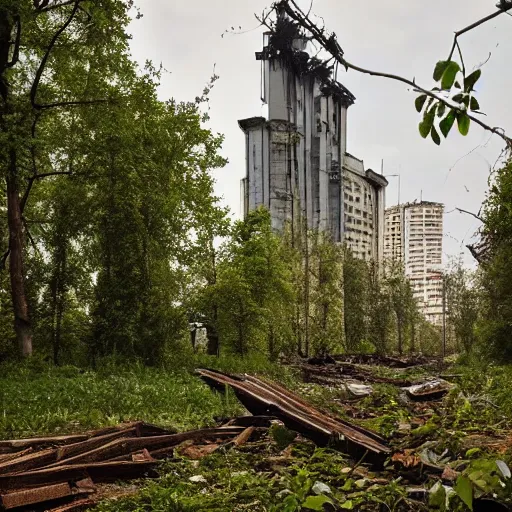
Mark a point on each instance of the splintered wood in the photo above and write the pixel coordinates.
(61, 472)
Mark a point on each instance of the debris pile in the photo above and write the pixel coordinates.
(67, 473)
(263, 397)
(62, 472)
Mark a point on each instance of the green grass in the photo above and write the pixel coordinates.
(36, 398)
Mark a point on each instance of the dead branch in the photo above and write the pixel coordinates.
(503, 7)
(62, 104)
(331, 45)
(42, 65)
(471, 213)
(57, 6)
(3, 261)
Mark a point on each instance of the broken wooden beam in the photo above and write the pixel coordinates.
(99, 472)
(261, 397)
(26, 497)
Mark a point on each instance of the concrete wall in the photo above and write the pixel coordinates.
(296, 160)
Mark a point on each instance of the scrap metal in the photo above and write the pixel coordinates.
(262, 397)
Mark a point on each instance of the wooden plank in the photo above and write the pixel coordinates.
(99, 472)
(124, 446)
(33, 496)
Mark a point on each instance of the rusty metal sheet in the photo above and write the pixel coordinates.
(76, 506)
(32, 496)
(262, 397)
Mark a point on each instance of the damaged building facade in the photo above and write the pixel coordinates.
(297, 165)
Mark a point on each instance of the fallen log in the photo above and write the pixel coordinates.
(261, 397)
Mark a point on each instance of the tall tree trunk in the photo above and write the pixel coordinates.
(413, 336)
(400, 335)
(16, 242)
(22, 325)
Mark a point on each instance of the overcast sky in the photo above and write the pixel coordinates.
(405, 38)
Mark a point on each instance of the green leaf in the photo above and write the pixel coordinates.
(458, 97)
(440, 69)
(316, 502)
(441, 108)
(474, 105)
(420, 102)
(472, 451)
(471, 80)
(446, 124)
(437, 497)
(463, 121)
(464, 491)
(348, 505)
(428, 120)
(435, 136)
(449, 75)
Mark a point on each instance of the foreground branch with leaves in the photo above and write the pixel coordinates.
(451, 100)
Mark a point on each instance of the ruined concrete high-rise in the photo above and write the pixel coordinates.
(297, 163)
(414, 236)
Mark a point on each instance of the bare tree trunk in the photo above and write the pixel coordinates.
(400, 336)
(22, 325)
(413, 336)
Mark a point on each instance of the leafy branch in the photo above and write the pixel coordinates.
(462, 106)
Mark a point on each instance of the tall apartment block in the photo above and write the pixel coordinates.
(297, 165)
(413, 235)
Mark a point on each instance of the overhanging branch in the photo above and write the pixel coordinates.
(42, 65)
(63, 104)
(504, 7)
(57, 5)
(331, 45)
(477, 217)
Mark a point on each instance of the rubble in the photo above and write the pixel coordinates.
(50, 470)
(430, 390)
(68, 473)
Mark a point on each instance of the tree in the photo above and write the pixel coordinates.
(401, 298)
(463, 304)
(356, 300)
(55, 58)
(379, 311)
(326, 296)
(495, 255)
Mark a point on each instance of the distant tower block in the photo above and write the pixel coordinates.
(413, 235)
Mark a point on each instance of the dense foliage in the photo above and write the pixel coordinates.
(496, 326)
